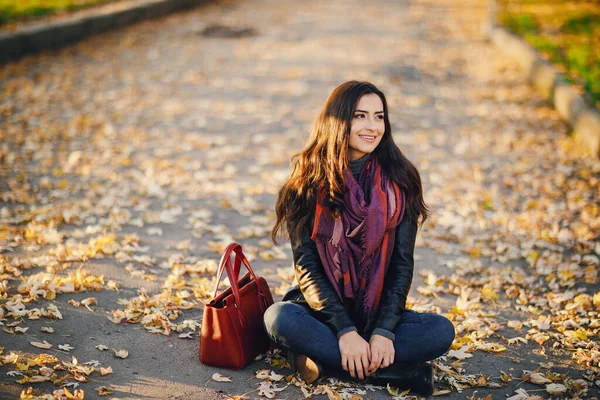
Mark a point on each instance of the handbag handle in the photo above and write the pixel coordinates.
(233, 274)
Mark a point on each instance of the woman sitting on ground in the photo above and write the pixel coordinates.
(351, 207)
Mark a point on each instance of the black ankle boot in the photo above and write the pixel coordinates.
(416, 377)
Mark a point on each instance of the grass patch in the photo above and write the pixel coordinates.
(12, 11)
(566, 32)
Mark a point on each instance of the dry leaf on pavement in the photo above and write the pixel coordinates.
(103, 391)
(220, 378)
(42, 345)
(121, 353)
(556, 388)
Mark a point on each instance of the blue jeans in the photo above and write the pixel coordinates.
(419, 336)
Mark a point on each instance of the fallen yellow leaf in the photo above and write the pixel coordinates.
(106, 371)
(220, 378)
(42, 345)
(121, 353)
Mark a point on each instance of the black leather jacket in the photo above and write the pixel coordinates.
(315, 290)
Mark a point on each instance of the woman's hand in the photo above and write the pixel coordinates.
(355, 354)
(382, 353)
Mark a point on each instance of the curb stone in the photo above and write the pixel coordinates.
(583, 119)
(58, 33)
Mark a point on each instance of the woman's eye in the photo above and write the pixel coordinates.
(358, 116)
(380, 116)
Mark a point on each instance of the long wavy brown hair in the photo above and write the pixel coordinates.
(325, 158)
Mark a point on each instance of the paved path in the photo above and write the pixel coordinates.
(158, 126)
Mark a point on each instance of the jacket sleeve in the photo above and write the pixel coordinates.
(316, 287)
(398, 279)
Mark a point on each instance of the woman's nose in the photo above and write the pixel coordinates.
(371, 124)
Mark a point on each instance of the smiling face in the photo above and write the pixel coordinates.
(367, 127)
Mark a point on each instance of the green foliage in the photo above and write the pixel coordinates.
(567, 32)
(18, 10)
(551, 49)
(585, 24)
(520, 24)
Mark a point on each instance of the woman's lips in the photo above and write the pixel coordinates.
(368, 138)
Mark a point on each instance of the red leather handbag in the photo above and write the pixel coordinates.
(233, 333)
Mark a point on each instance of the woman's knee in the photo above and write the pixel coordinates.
(271, 317)
(278, 317)
(445, 333)
(440, 332)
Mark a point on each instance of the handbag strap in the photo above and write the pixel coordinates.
(233, 275)
(233, 272)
